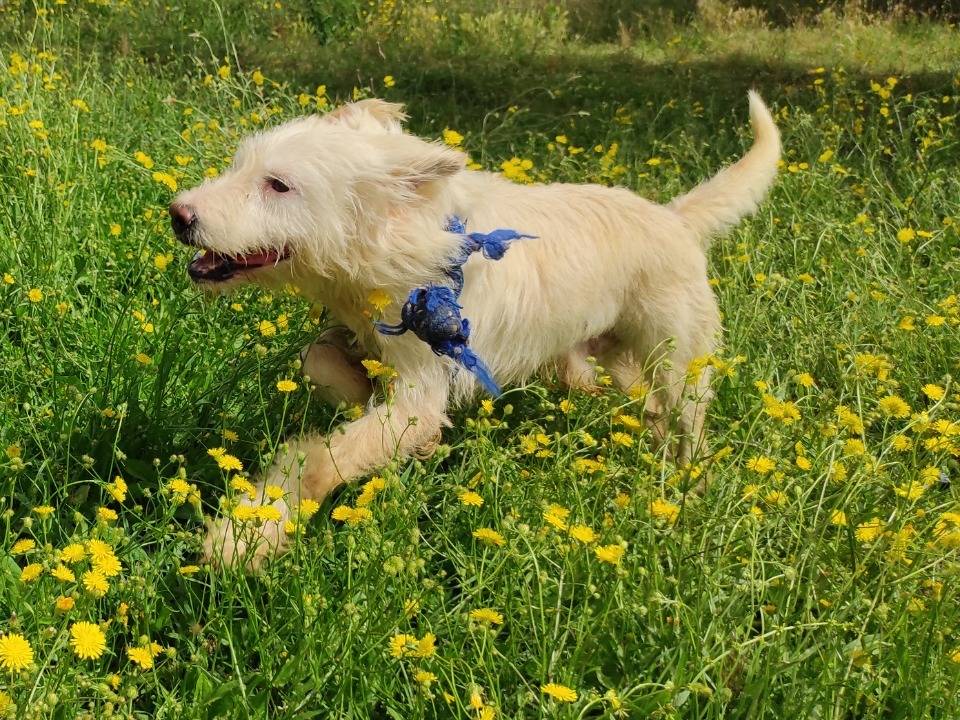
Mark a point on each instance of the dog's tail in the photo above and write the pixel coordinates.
(735, 191)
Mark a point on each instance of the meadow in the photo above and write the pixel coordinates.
(546, 561)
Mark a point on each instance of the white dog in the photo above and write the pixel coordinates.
(345, 204)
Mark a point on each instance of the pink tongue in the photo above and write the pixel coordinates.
(208, 260)
(212, 259)
(258, 258)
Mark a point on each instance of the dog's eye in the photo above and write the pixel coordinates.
(278, 185)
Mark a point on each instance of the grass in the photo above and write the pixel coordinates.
(816, 578)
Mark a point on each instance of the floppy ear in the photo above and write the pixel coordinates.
(416, 164)
(369, 115)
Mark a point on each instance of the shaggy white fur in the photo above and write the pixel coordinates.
(347, 203)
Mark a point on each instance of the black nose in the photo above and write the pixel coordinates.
(182, 218)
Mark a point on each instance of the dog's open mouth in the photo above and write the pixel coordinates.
(210, 266)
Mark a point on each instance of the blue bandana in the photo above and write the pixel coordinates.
(432, 312)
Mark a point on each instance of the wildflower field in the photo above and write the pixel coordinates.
(546, 561)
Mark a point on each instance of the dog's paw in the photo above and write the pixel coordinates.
(243, 544)
(425, 450)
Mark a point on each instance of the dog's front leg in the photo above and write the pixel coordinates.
(333, 365)
(312, 466)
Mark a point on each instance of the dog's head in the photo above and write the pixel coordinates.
(305, 197)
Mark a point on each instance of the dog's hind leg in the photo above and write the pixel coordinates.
(578, 370)
(662, 358)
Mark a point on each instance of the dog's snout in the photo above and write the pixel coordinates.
(182, 218)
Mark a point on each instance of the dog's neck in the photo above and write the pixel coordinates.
(407, 248)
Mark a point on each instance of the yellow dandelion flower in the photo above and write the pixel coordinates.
(869, 531)
(370, 489)
(244, 513)
(468, 497)
(286, 386)
(267, 328)
(628, 421)
(838, 518)
(34, 295)
(901, 443)
(229, 462)
(849, 420)
(761, 464)
(582, 533)
(557, 516)
(308, 508)
(180, 489)
(379, 300)
(402, 644)
(187, 570)
(351, 515)
(665, 511)
(63, 573)
(376, 369)
(16, 653)
(106, 515)
(65, 603)
(587, 465)
(23, 546)
(911, 491)
(490, 537)
(274, 492)
(558, 692)
(488, 616)
(452, 137)
(95, 583)
(164, 178)
(117, 489)
(31, 572)
(424, 677)
(73, 553)
(141, 656)
(854, 447)
(934, 392)
(143, 159)
(242, 485)
(894, 406)
(98, 549)
(622, 438)
(947, 530)
(87, 640)
(906, 235)
(269, 513)
(611, 554)
(426, 646)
